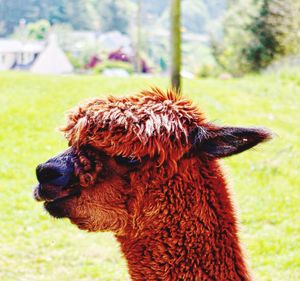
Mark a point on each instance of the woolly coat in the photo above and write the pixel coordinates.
(181, 223)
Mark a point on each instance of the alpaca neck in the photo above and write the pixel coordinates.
(186, 230)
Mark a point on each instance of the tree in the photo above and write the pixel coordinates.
(38, 30)
(175, 44)
(80, 14)
(288, 24)
(195, 16)
(12, 12)
(113, 15)
(227, 49)
(256, 33)
(264, 45)
(274, 32)
(52, 10)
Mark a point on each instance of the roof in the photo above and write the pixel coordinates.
(52, 60)
(17, 46)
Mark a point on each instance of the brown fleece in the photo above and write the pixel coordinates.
(171, 211)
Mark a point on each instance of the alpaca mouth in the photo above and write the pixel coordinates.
(61, 199)
(61, 196)
(58, 207)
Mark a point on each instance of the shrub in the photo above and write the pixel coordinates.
(110, 64)
(208, 70)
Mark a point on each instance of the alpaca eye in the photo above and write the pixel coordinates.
(129, 161)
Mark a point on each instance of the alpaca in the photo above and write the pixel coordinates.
(146, 168)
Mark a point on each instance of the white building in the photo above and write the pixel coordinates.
(37, 57)
(17, 55)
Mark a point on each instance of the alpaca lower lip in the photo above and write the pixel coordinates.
(65, 194)
(57, 208)
(60, 199)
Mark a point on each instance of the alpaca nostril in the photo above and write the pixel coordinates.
(57, 171)
(47, 173)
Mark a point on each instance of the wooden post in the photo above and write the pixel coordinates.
(175, 39)
(137, 63)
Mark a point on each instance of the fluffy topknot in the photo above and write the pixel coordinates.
(152, 123)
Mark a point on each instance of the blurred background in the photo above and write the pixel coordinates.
(239, 61)
(122, 37)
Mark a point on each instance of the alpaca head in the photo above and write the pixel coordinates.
(116, 144)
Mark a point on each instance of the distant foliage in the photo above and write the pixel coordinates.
(32, 31)
(106, 15)
(228, 49)
(257, 33)
(38, 30)
(109, 64)
(79, 13)
(208, 71)
(275, 31)
(114, 15)
(285, 19)
(195, 16)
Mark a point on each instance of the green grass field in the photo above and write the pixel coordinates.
(265, 180)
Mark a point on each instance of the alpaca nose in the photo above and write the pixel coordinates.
(53, 174)
(48, 173)
(57, 171)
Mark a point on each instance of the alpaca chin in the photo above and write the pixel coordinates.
(58, 208)
(55, 209)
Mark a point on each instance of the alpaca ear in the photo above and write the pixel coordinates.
(227, 141)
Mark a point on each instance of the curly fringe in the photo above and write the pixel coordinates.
(152, 123)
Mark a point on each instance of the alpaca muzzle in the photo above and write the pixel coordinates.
(55, 177)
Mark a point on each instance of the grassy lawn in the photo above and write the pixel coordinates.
(265, 181)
